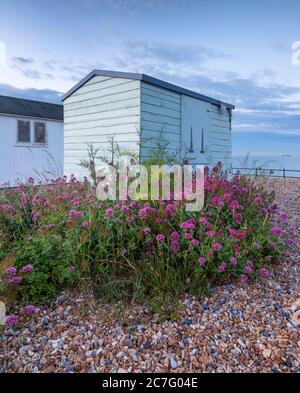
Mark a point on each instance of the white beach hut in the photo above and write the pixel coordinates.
(137, 110)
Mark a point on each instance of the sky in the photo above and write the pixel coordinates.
(243, 52)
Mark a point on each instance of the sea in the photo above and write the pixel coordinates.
(269, 165)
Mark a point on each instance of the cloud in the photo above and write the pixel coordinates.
(271, 108)
(22, 60)
(156, 57)
(32, 69)
(49, 64)
(268, 108)
(261, 104)
(173, 54)
(32, 74)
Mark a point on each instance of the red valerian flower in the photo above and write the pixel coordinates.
(11, 271)
(217, 201)
(30, 309)
(109, 213)
(26, 269)
(11, 321)
(222, 267)
(248, 269)
(276, 231)
(175, 235)
(210, 233)
(175, 245)
(263, 272)
(216, 246)
(243, 278)
(75, 213)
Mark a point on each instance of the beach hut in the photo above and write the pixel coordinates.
(138, 111)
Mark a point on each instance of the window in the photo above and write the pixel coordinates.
(31, 132)
(39, 132)
(23, 131)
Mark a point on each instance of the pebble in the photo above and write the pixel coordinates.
(45, 321)
(173, 363)
(134, 357)
(148, 344)
(266, 353)
(24, 349)
(43, 340)
(235, 351)
(89, 354)
(128, 343)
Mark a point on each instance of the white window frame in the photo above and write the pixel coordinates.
(32, 136)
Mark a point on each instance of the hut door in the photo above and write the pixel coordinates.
(194, 130)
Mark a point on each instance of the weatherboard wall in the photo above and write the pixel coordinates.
(171, 114)
(102, 108)
(220, 142)
(160, 120)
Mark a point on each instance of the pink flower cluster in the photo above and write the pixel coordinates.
(75, 213)
(14, 277)
(11, 321)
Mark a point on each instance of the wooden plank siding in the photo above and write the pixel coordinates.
(136, 112)
(160, 113)
(220, 137)
(102, 108)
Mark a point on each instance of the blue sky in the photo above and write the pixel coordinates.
(238, 51)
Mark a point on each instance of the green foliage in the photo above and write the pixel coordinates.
(52, 257)
(142, 250)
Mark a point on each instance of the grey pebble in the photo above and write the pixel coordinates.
(24, 349)
(208, 350)
(43, 340)
(134, 357)
(173, 363)
(45, 321)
